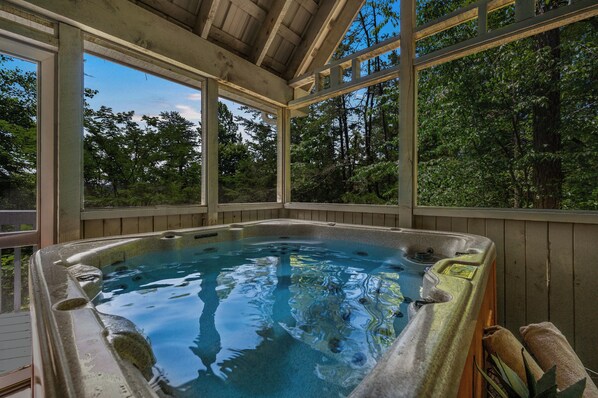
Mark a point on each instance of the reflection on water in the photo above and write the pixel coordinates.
(270, 319)
(344, 313)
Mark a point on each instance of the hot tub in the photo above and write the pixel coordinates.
(83, 347)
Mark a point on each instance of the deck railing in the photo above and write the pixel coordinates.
(16, 246)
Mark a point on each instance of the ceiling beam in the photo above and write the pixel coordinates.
(269, 29)
(205, 18)
(126, 24)
(169, 10)
(314, 32)
(338, 28)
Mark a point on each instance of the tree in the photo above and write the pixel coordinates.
(18, 137)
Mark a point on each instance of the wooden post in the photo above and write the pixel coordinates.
(70, 132)
(209, 149)
(407, 119)
(482, 18)
(336, 76)
(283, 187)
(46, 150)
(355, 69)
(524, 9)
(17, 280)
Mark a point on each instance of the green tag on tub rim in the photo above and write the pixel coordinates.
(464, 271)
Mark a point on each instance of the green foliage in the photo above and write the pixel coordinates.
(18, 137)
(126, 164)
(510, 385)
(511, 127)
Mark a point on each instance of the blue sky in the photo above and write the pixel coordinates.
(125, 89)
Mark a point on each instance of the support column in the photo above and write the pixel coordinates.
(283, 187)
(70, 132)
(407, 118)
(209, 149)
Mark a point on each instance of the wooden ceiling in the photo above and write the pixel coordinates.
(285, 37)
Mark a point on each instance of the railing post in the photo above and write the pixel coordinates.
(17, 280)
(483, 18)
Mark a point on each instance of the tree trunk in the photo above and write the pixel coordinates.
(548, 173)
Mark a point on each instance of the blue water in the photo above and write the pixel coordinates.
(274, 317)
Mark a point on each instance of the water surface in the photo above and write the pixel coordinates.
(274, 317)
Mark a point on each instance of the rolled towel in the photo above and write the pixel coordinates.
(550, 348)
(502, 343)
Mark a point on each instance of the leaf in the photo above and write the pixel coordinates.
(547, 380)
(574, 390)
(531, 380)
(496, 387)
(511, 378)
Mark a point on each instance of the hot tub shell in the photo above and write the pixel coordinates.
(75, 355)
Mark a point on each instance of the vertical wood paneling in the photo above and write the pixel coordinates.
(476, 226)
(459, 224)
(245, 216)
(561, 292)
(93, 229)
(390, 220)
(145, 224)
(261, 214)
(357, 218)
(339, 216)
(227, 217)
(367, 219)
(160, 223)
(112, 227)
(443, 223)
(186, 220)
(348, 218)
(197, 220)
(173, 222)
(536, 265)
(378, 220)
(330, 216)
(495, 231)
(515, 275)
(429, 222)
(585, 269)
(130, 225)
(418, 222)
(237, 216)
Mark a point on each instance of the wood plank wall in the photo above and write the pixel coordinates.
(545, 271)
(376, 219)
(133, 225)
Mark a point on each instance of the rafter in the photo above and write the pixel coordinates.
(338, 28)
(316, 29)
(205, 17)
(269, 29)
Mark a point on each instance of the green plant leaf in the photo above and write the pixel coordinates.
(574, 390)
(496, 387)
(550, 392)
(510, 378)
(531, 380)
(547, 380)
